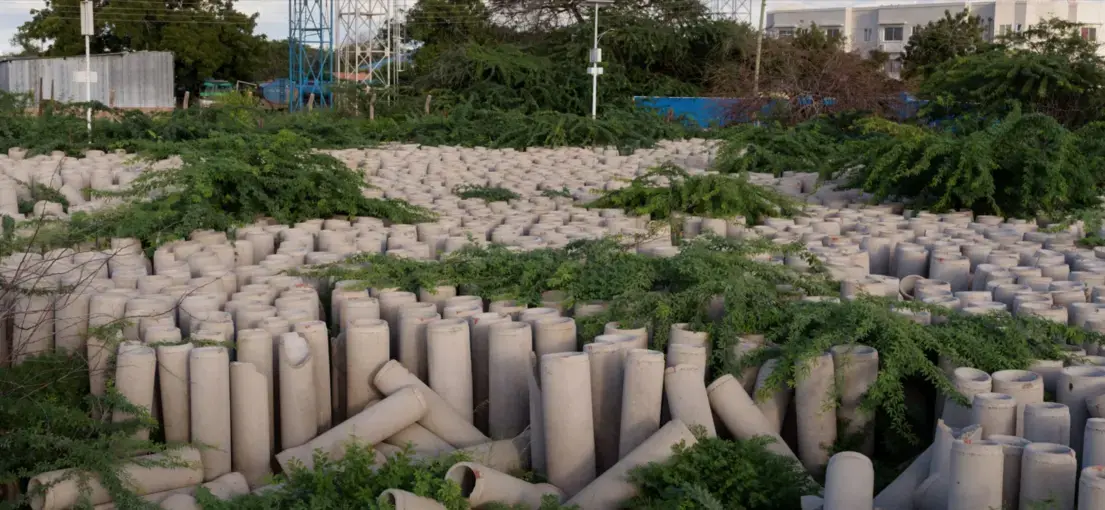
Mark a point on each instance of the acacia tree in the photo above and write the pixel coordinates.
(803, 77)
(942, 40)
(208, 38)
(1048, 68)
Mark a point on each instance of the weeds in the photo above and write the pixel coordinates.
(668, 192)
(485, 193)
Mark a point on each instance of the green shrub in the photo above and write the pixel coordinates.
(230, 180)
(721, 474)
(557, 193)
(774, 149)
(669, 191)
(1021, 166)
(485, 193)
(355, 481)
(48, 423)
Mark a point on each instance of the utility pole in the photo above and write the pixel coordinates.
(87, 29)
(759, 49)
(596, 58)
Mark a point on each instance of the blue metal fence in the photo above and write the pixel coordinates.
(710, 111)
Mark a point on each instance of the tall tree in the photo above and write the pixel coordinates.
(942, 40)
(1048, 68)
(448, 22)
(208, 38)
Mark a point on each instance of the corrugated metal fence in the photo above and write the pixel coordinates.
(141, 79)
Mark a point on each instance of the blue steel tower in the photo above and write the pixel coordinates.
(310, 52)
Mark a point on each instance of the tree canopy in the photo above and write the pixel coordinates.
(209, 38)
(1048, 68)
(941, 40)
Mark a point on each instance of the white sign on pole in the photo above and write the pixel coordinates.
(80, 77)
(86, 18)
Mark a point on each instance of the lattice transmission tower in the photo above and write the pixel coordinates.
(310, 52)
(736, 10)
(365, 41)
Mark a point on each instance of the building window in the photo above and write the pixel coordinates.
(893, 33)
(1018, 28)
(894, 66)
(832, 32)
(1005, 29)
(1089, 33)
(867, 35)
(785, 32)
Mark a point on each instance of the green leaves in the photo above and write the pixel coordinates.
(1022, 166)
(486, 193)
(717, 473)
(942, 40)
(668, 192)
(355, 481)
(774, 149)
(1047, 68)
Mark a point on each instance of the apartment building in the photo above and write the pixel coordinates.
(887, 27)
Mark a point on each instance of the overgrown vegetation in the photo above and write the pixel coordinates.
(717, 473)
(485, 193)
(1022, 166)
(1011, 128)
(657, 292)
(64, 128)
(52, 421)
(355, 481)
(668, 193)
(225, 181)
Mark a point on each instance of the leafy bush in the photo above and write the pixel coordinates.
(557, 193)
(942, 40)
(355, 481)
(717, 473)
(229, 180)
(50, 421)
(1047, 68)
(39, 191)
(668, 191)
(1022, 166)
(775, 149)
(486, 193)
(461, 124)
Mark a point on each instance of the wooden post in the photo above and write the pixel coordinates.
(111, 98)
(372, 107)
(427, 107)
(40, 95)
(311, 102)
(186, 94)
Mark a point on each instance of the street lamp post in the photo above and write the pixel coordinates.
(596, 59)
(87, 29)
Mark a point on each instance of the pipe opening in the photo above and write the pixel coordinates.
(467, 481)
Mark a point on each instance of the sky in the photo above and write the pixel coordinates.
(273, 19)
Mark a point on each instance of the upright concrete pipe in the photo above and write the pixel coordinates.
(509, 345)
(569, 424)
(449, 364)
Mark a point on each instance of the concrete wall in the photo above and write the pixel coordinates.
(140, 79)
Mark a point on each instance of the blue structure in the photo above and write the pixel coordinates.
(716, 111)
(310, 52)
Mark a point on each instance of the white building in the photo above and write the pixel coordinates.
(888, 27)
